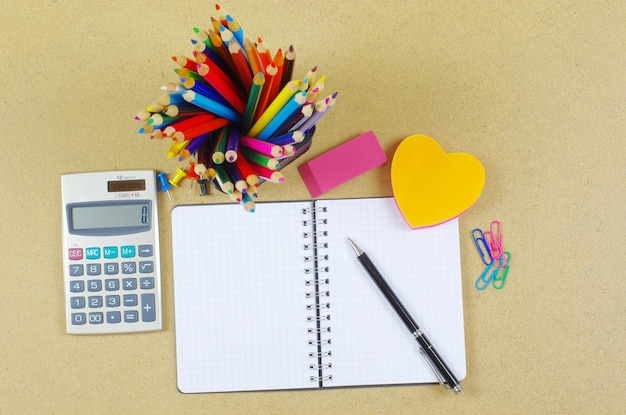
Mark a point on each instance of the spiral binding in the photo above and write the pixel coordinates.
(319, 316)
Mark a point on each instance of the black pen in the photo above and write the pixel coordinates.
(442, 371)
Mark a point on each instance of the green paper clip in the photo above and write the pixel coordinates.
(499, 280)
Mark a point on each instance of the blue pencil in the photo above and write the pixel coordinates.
(293, 105)
(212, 106)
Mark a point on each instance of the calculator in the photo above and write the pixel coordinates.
(111, 257)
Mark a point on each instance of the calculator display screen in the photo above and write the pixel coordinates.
(109, 218)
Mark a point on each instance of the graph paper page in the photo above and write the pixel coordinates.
(370, 344)
(240, 304)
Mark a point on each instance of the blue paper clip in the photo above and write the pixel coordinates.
(484, 250)
(498, 281)
(487, 276)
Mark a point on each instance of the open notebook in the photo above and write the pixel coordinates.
(276, 299)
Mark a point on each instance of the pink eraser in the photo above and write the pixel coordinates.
(342, 163)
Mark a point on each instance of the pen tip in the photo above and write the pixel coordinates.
(354, 246)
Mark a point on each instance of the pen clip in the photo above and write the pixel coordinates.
(438, 375)
(482, 245)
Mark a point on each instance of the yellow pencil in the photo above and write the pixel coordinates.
(281, 99)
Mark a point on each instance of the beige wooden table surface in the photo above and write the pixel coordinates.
(535, 90)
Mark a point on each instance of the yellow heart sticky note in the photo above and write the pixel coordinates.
(431, 186)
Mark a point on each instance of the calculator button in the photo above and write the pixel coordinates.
(75, 254)
(111, 285)
(93, 269)
(146, 283)
(129, 284)
(131, 316)
(110, 252)
(128, 251)
(145, 250)
(147, 307)
(76, 270)
(113, 300)
(77, 302)
(92, 253)
(95, 301)
(111, 268)
(94, 285)
(146, 267)
(114, 317)
(130, 300)
(78, 319)
(129, 267)
(77, 286)
(96, 318)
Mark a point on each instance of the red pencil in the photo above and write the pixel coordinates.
(241, 65)
(230, 95)
(246, 171)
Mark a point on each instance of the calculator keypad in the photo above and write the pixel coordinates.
(112, 285)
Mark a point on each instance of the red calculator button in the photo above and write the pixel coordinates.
(76, 254)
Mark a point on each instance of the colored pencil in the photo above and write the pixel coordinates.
(226, 88)
(235, 28)
(170, 99)
(235, 196)
(220, 147)
(195, 126)
(161, 120)
(199, 130)
(173, 87)
(185, 62)
(291, 137)
(193, 145)
(247, 203)
(258, 158)
(221, 50)
(241, 64)
(143, 115)
(175, 149)
(260, 146)
(320, 110)
(253, 100)
(289, 150)
(281, 99)
(290, 108)
(279, 62)
(185, 109)
(264, 52)
(254, 60)
(246, 171)
(270, 175)
(266, 94)
(155, 107)
(202, 88)
(236, 177)
(290, 59)
(211, 106)
(298, 119)
(232, 145)
(223, 180)
(188, 122)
